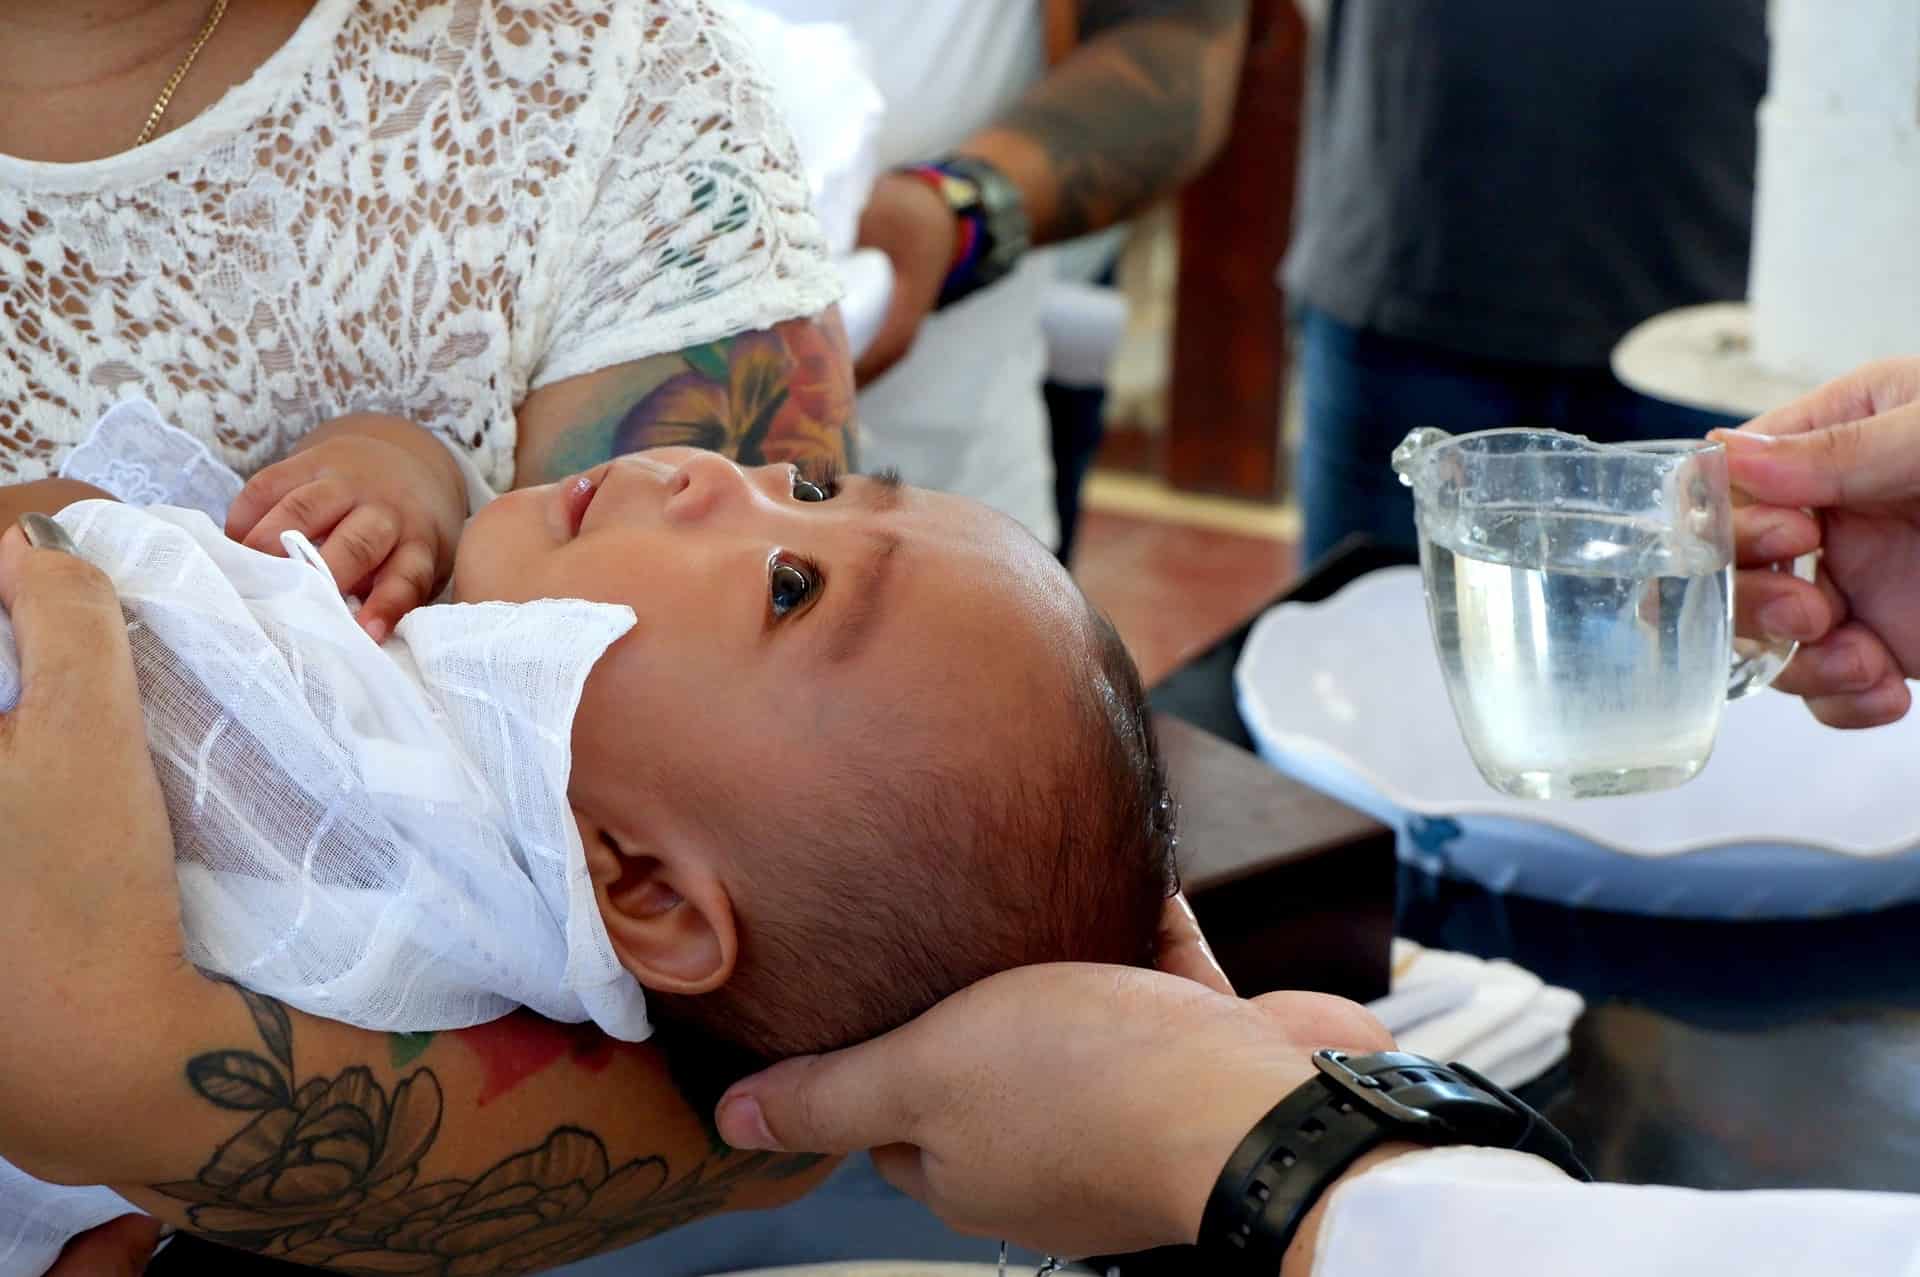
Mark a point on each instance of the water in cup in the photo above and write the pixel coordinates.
(1585, 652)
(1581, 598)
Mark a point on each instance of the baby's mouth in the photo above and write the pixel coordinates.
(576, 497)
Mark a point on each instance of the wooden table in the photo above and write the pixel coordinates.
(1294, 890)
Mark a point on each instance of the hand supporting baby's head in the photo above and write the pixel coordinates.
(865, 746)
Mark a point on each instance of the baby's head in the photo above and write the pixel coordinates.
(865, 746)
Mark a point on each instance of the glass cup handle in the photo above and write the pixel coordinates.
(1757, 662)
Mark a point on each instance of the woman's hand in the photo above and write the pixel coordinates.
(1851, 454)
(90, 906)
(44, 496)
(1074, 1109)
(383, 500)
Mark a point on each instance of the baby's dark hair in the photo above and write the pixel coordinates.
(938, 880)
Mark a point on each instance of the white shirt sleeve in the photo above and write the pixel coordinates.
(1485, 1213)
(698, 225)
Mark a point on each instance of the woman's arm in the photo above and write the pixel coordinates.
(521, 1143)
(516, 1143)
(43, 496)
(782, 394)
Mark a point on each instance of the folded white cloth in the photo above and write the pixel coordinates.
(1494, 1017)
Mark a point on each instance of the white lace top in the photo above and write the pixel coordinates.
(423, 209)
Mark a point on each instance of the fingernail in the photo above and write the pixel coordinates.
(1741, 438)
(1786, 619)
(743, 1125)
(44, 534)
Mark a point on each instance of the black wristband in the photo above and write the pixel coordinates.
(1310, 1139)
(992, 219)
(1274, 1178)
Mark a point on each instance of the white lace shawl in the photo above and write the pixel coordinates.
(422, 209)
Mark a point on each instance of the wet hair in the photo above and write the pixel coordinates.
(932, 880)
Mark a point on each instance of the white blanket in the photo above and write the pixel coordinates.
(378, 835)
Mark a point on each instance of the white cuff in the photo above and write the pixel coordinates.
(1460, 1212)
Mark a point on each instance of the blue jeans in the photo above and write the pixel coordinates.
(1365, 391)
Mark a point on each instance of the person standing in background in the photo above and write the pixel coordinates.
(1012, 124)
(1495, 192)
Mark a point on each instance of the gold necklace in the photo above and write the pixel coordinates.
(214, 15)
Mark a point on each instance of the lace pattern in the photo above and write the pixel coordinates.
(428, 210)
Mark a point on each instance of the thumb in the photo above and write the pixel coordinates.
(69, 630)
(841, 1103)
(1319, 1020)
(1870, 461)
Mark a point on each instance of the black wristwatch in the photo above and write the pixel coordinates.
(995, 231)
(1356, 1104)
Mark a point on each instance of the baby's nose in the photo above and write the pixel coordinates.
(705, 484)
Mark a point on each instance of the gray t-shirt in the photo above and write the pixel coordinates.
(1528, 179)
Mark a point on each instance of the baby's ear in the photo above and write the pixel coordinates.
(667, 912)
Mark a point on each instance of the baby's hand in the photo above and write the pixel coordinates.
(380, 497)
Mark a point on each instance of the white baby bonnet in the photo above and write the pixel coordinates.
(379, 835)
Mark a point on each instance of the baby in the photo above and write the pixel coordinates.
(821, 751)
(864, 746)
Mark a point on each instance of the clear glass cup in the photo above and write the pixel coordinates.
(1581, 599)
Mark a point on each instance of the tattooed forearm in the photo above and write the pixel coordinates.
(1141, 107)
(784, 394)
(333, 1171)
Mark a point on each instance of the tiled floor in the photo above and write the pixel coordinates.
(1171, 576)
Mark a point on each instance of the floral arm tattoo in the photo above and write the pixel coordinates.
(783, 394)
(333, 1171)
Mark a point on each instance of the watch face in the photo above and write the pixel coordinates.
(959, 192)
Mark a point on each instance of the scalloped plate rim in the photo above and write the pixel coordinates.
(1269, 736)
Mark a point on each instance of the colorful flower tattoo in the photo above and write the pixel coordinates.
(780, 395)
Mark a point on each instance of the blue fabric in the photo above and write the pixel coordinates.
(855, 1215)
(1365, 391)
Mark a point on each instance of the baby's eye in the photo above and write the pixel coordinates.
(790, 585)
(816, 489)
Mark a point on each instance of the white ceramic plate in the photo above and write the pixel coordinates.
(1789, 819)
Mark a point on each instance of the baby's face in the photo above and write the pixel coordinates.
(783, 630)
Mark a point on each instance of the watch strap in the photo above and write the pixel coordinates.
(1305, 1143)
(970, 229)
(991, 221)
(1356, 1103)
